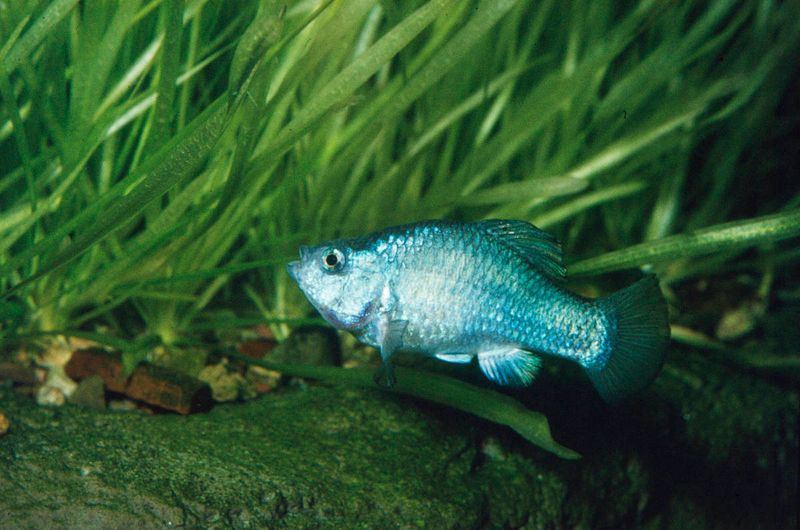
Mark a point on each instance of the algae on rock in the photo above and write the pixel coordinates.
(719, 455)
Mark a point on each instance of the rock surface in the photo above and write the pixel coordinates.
(705, 448)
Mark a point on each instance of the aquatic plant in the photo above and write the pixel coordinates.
(161, 161)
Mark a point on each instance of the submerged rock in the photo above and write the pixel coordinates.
(718, 454)
(298, 458)
(314, 345)
(90, 393)
(225, 383)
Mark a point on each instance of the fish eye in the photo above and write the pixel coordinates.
(333, 259)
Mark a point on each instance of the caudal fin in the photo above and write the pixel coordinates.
(642, 335)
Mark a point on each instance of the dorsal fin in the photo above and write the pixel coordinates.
(540, 249)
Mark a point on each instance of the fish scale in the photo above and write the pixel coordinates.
(474, 296)
(490, 290)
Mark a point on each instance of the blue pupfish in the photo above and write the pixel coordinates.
(489, 290)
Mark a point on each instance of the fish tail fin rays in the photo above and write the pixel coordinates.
(509, 366)
(639, 343)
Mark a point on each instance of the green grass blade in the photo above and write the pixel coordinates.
(465, 107)
(103, 338)
(524, 190)
(584, 202)
(551, 95)
(355, 74)
(44, 25)
(169, 69)
(97, 54)
(11, 40)
(204, 274)
(718, 238)
(235, 323)
(484, 403)
(168, 166)
(393, 101)
(7, 93)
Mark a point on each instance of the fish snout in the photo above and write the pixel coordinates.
(294, 270)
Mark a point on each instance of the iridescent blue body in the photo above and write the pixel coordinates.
(489, 290)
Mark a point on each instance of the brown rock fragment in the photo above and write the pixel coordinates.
(17, 373)
(256, 348)
(85, 363)
(169, 389)
(162, 387)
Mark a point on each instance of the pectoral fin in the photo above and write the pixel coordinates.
(391, 341)
(509, 365)
(384, 376)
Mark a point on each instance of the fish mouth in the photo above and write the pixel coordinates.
(294, 266)
(294, 270)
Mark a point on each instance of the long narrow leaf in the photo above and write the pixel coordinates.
(719, 238)
(586, 201)
(354, 75)
(44, 25)
(171, 164)
(486, 404)
(524, 190)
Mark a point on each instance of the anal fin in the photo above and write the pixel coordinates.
(509, 365)
(457, 358)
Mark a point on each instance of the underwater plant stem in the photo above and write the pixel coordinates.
(717, 238)
(486, 404)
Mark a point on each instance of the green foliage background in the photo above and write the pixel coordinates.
(160, 161)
